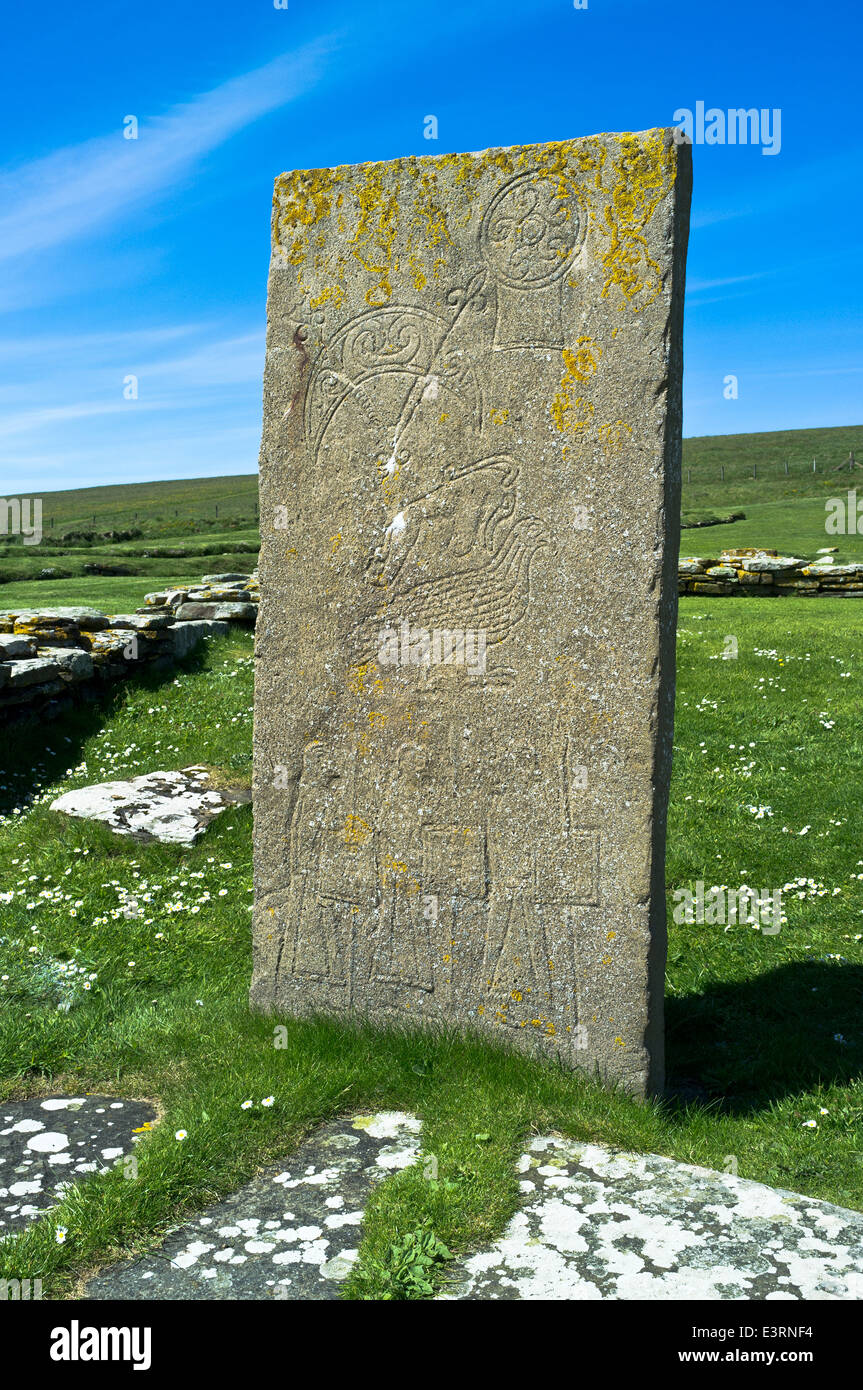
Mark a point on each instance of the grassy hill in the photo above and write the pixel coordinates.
(771, 478)
(773, 460)
(186, 506)
(110, 544)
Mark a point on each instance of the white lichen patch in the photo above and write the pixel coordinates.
(89, 1137)
(598, 1224)
(241, 1248)
(390, 1124)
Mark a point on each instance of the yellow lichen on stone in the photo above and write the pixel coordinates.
(300, 199)
(372, 242)
(417, 273)
(391, 868)
(358, 679)
(468, 169)
(332, 294)
(568, 413)
(554, 163)
(388, 474)
(356, 831)
(430, 218)
(582, 364)
(645, 171)
(614, 435)
(574, 413)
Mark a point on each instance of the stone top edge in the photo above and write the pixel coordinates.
(436, 159)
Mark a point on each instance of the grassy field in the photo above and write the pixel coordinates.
(169, 508)
(778, 462)
(794, 526)
(111, 595)
(764, 1032)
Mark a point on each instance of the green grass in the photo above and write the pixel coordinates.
(752, 1020)
(767, 453)
(784, 511)
(113, 594)
(793, 526)
(45, 574)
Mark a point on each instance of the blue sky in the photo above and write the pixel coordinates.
(149, 257)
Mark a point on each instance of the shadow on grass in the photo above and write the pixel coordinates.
(788, 1030)
(39, 751)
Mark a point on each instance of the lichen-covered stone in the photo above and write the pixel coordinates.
(73, 665)
(600, 1224)
(472, 426)
(51, 1142)
(825, 571)
(224, 594)
(172, 807)
(713, 586)
(107, 645)
(90, 619)
(770, 564)
(291, 1234)
(85, 645)
(49, 630)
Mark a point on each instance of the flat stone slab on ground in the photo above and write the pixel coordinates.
(292, 1233)
(172, 807)
(48, 1143)
(600, 1224)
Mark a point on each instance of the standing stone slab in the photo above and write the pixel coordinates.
(469, 514)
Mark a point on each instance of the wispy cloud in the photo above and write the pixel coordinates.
(122, 341)
(79, 189)
(65, 413)
(58, 390)
(697, 286)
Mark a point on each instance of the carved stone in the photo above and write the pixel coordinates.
(469, 516)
